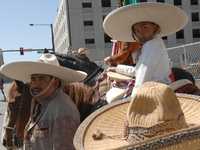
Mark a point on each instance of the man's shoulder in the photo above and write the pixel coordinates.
(154, 46)
(61, 106)
(155, 42)
(60, 99)
(62, 102)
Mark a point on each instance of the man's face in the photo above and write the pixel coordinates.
(144, 31)
(39, 82)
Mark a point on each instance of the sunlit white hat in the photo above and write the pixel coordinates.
(47, 64)
(118, 23)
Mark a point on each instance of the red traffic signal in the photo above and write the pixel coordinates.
(46, 50)
(21, 49)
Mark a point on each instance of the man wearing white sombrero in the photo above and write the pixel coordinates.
(146, 23)
(54, 117)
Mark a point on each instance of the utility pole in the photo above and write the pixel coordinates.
(52, 33)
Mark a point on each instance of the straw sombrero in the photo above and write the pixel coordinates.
(118, 23)
(47, 64)
(117, 76)
(155, 118)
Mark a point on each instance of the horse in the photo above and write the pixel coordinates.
(17, 115)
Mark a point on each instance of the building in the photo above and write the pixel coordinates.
(79, 24)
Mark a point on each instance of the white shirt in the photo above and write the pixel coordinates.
(153, 64)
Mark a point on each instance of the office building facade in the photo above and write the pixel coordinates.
(79, 24)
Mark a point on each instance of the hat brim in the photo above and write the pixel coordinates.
(118, 23)
(24, 69)
(111, 118)
(118, 76)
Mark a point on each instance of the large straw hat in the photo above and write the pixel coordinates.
(155, 118)
(118, 23)
(47, 64)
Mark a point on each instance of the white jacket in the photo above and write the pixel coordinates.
(153, 64)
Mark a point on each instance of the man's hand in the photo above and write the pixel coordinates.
(113, 69)
(107, 60)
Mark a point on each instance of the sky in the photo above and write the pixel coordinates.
(15, 31)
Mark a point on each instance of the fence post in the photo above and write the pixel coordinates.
(185, 55)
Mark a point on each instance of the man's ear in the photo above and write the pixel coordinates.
(157, 29)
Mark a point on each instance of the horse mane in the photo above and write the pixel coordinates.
(81, 93)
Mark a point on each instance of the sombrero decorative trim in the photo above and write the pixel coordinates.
(118, 23)
(110, 121)
(47, 64)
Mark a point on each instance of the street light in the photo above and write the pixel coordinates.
(52, 35)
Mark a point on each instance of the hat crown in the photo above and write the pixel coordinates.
(49, 59)
(153, 104)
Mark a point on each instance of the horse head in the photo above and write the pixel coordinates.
(18, 112)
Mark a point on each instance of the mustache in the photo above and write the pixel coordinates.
(35, 91)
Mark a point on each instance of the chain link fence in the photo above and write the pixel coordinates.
(186, 56)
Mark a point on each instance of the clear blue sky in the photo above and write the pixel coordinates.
(15, 32)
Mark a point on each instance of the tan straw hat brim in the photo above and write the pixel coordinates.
(24, 69)
(111, 118)
(117, 76)
(118, 23)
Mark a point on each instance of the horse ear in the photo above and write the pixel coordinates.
(12, 92)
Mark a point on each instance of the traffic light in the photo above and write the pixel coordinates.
(21, 49)
(46, 50)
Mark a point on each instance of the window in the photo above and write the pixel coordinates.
(164, 37)
(177, 2)
(180, 34)
(161, 1)
(194, 2)
(195, 16)
(107, 39)
(89, 41)
(87, 5)
(105, 3)
(88, 23)
(196, 33)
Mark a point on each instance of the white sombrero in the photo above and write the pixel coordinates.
(47, 64)
(155, 118)
(118, 23)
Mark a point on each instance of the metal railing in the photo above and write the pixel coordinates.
(186, 56)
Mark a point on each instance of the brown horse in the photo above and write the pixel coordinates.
(18, 112)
